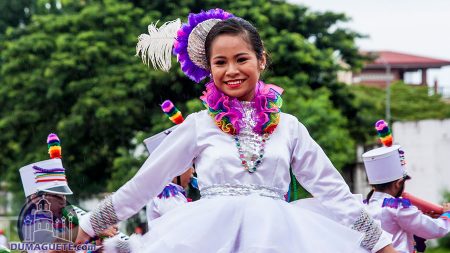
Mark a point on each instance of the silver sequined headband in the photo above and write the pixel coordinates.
(196, 42)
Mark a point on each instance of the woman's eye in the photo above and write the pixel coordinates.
(219, 62)
(241, 59)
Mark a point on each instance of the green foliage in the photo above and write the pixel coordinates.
(75, 74)
(408, 103)
(438, 250)
(13, 13)
(325, 123)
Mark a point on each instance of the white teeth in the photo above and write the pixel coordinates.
(234, 82)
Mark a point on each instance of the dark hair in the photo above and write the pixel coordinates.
(381, 188)
(235, 26)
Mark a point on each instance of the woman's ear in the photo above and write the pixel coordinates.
(263, 61)
(399, 184)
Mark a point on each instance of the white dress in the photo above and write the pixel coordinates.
(403, 222)
(165, 202)
(242, 212)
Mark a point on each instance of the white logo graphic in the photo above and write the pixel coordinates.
(40, 226)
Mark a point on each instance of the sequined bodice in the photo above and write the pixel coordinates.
(249, 139)
(250, 144)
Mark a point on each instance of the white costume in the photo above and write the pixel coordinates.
(171, 197)
(241, 211)
(404, 221)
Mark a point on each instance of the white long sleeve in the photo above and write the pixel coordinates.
(169, 160)
(317, 175)
(413, 221)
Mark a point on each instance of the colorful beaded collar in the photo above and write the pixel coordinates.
(227, 112)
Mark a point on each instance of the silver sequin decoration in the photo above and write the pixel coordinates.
(250, 141)
(371, 230)
(241, 190)
(103, 216)
(196, 42)
(123, 245)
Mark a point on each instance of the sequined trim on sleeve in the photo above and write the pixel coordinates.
(123, 246)
(371, 230)
(103, 216)
(119, 244)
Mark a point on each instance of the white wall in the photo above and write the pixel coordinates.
(427, 152)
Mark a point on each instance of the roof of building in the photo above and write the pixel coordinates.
(402, 60)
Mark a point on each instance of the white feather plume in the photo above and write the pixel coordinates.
(156, 46)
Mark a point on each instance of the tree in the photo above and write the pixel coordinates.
(408, 103)
(14, 13)
(72, 72)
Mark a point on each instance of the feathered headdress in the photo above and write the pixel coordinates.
(188, 43)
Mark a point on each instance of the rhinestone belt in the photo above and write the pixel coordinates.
(241, 190)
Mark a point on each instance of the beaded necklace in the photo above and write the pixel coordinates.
(250, 145)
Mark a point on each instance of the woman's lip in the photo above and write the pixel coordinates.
(235, 83)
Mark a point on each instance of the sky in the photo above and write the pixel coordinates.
(419, 27)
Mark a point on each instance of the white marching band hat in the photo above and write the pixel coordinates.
(48, 175)
(387, 163)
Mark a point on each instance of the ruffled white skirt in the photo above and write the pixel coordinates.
(250, 224)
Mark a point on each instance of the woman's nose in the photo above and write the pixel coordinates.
(232, 69)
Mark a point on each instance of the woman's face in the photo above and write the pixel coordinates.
(186, 177)
(234, 66)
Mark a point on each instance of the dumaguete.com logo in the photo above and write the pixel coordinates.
(43, 227)
(27, 246)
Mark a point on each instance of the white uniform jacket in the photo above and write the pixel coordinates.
(403, 220)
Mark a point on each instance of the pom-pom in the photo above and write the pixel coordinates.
(172, 112)
(54, 146)
(384, 133)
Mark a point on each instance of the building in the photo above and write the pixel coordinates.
(393, 66)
